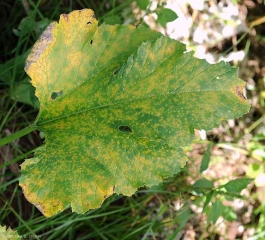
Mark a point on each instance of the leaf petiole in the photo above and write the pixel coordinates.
(17, 135)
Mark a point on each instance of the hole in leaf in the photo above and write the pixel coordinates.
(55, 95)
(116, 71)
(91, 41)
(125, 129)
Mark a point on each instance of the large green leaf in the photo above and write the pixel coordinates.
(117, 104)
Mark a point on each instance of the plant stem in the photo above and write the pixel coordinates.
(17, 135)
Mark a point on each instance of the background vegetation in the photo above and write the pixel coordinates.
(202, 201)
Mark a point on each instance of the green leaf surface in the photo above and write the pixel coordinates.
(215, 211)
(229, 214)
(202, 184)
(208, 198)
(143, 4)
(183, 216)
(114, 19)
(24, 92)
(206, 158)
(117, 105)
(237, 185)
(165, 15)
(12, 71)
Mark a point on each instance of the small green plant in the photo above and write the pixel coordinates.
(117, 106)
(8, 234)
(164, 15)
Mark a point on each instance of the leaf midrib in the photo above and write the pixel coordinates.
(120, 102)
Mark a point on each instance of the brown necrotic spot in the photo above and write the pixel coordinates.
(39, 47)
(65, 16)
(239, 92)
(88, 23)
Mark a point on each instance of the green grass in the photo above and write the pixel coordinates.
(148, 214)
